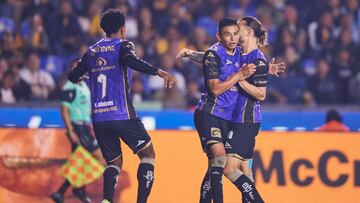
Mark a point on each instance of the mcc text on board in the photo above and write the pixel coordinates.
(276, 171)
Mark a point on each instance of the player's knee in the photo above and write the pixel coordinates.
(229, 169)
(219, 161)
(147, 160)
(249, 175)
(116, 162)
(147, 152)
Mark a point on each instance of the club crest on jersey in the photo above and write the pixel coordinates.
(215, 132)
(237, 64)
(261, 63)
(210, 55)
(100, 62)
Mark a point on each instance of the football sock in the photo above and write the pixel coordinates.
(205, 190)
(145, 175)
(110, 175)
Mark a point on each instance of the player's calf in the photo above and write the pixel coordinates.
(245, 185)
(205, 190)
(145, 173)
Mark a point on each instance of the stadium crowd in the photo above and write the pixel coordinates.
(318, 40)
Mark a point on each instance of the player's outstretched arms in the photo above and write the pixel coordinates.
(195, 56)
(129, 58)
(169, 80)
(276, 68)
(77, 73)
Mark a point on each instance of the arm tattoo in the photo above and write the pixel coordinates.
(197, 57)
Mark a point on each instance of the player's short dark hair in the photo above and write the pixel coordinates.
(111, 21)
(226, 22)
(333, 115)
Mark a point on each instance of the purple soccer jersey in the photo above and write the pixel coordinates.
(218, 64)
(109, 82)
(247, 108)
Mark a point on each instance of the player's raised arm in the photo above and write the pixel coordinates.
(75, 75)
(127, 54)
(256, 84)
(195, 56)
(211, 65)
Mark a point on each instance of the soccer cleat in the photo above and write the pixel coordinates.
(81, 194)
(57, 197)
(105, 201)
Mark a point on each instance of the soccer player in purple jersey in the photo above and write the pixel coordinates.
(214, 111)
(108, 64)
(240, 143)
(246, 114)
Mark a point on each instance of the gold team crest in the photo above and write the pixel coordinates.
(100, 62)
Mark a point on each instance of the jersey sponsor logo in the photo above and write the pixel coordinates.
(107, 109)
(100, 62)
(102, 49)
(104, 104)
(235, 89)
(261, 63)
(228, 62)
(215, 132)
(230, 135)
(140, 142)
(227, 146)
(215, 173)
(103, 68)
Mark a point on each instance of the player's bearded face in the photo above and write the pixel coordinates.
(229, 37)
(244, 33)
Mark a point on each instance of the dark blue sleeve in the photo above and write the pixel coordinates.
(128, 57)
(211, 65)
(260, 77)
(80, 69)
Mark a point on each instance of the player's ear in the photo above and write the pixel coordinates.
(123, 30)
(218, 36)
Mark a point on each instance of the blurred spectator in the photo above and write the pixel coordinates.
(193, 95)
(64, 30)
(7, 91)
(4, 66)
(210, 23)
(90, 23)
(346, 23)
(343, 70)
(287, 89)
(34, 34)
(352, 7)
(333, 122)
(240, 8)
(322, 88)
(40, 81)
(156, 84)
(138, 94)
(320, 33)
(354, 89)
(299, 33)
(173, 98)
(8, 46)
